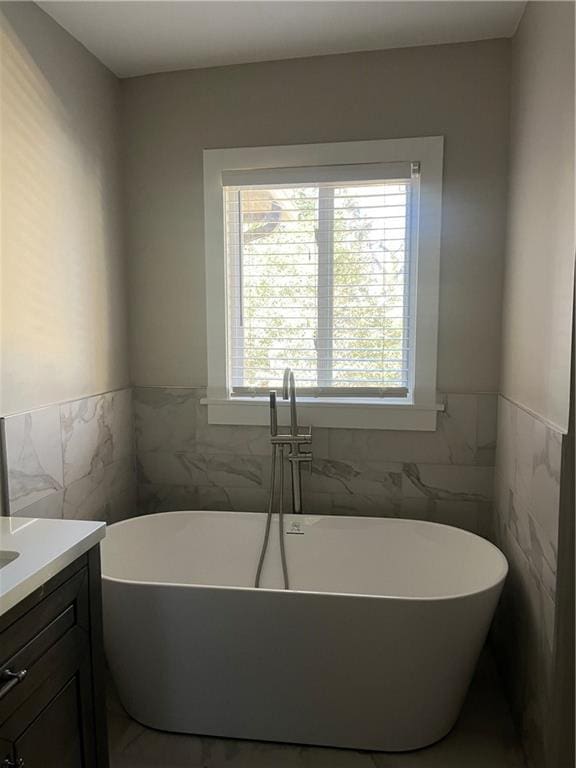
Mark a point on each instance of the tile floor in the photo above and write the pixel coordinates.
(483, 738)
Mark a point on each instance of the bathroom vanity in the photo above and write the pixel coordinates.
(52, 697)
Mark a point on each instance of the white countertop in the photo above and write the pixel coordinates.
(44, 548)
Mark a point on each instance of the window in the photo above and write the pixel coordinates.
(329, 267)
(319, 279)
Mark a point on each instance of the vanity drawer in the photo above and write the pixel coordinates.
(67, 659)
(28, 640)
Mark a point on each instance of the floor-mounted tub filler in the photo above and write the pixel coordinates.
(372, 647)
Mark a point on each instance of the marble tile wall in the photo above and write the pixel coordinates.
(446, 476)
(74, 460)
(526, 513)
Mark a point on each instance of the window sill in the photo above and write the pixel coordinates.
(343, 413)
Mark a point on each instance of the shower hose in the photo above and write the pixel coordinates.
(277, 455)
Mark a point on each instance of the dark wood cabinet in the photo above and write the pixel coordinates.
(54, 739)
(52, 707)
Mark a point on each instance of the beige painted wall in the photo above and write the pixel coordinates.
(63, 319)
(459, 91)
(540, 249)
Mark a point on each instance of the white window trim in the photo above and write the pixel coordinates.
(417, 412)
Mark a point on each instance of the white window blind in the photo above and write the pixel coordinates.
(319, 278)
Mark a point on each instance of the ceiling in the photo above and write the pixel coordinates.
(139, 38)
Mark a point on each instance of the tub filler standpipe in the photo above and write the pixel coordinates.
(293, 440)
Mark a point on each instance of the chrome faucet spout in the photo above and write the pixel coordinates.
(286, 383)
(289, 392)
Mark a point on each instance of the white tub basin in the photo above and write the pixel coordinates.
(373, 647)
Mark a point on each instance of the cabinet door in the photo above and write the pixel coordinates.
(54, 739)
(6, 753)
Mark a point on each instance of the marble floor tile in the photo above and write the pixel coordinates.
(483, 738)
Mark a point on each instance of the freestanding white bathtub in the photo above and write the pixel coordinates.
(373, 647)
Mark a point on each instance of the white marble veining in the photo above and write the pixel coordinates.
(527, 498)
(184, 462)
(474, 516)
(93, 497)
(545, 484)
(443, 483)
(202, 469)
(528, 485)
(96, 431)
(34, 456)
(165, 419)
(120, 415)
(182, 459)
(367, 477)
(75, 460)
(86, 438)
(45, 547)
(466, 420)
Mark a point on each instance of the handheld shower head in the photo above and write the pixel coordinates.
(273, 414)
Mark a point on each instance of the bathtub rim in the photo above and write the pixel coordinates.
(496, 584)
